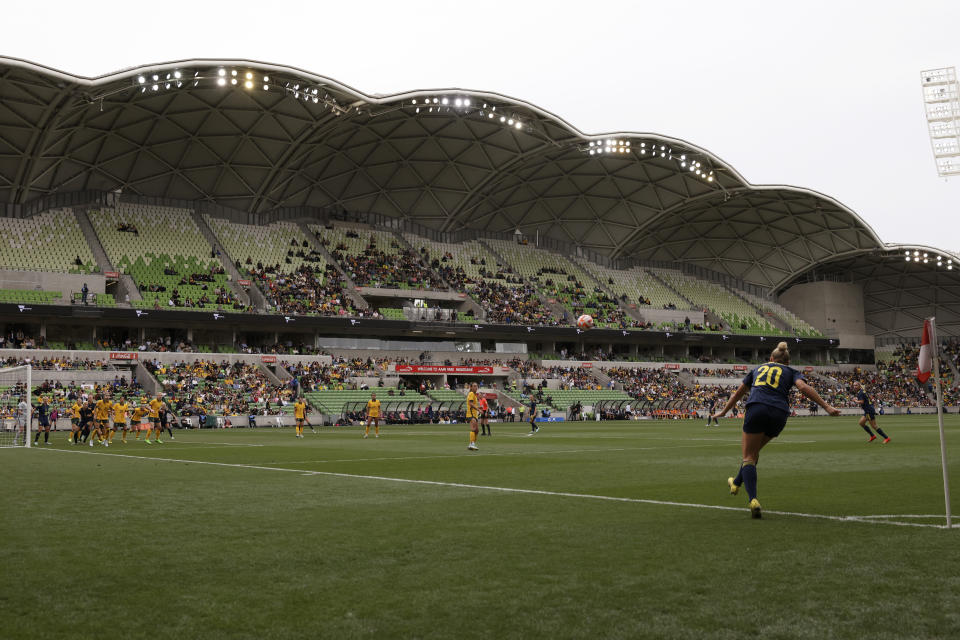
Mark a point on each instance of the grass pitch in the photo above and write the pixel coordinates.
(598, 530)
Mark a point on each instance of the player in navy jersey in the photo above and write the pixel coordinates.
(769, 386)
(711, 403)
(533, 415)
(869, 413)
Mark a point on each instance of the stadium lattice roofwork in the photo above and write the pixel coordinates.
(257, 137)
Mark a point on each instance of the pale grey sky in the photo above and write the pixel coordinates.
(823, 95)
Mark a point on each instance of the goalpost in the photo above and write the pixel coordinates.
(16, 406)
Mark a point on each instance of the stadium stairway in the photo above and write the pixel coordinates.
(270, 375)
(351, 287)
(633, 313)
(556, 309)
(406, 245)
(602, 378)
(254, 297)
(125, 285)
(147, 380)
(666, 284)
(771, 318)
(90, 235)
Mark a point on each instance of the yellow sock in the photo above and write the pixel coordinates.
(149, 431)
(366, 431)
(473, 437)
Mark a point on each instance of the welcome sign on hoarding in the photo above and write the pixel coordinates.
(414, 368)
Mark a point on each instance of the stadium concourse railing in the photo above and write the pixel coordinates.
(403, 411)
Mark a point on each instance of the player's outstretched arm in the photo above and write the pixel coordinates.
(734, 399)
(811, 393)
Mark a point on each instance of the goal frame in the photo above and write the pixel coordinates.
(28, 396)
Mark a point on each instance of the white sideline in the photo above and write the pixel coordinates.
(540, 492)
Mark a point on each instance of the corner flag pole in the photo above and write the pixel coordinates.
(943, 442)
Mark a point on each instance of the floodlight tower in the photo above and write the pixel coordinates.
(941, 97)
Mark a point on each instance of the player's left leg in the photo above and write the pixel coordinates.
(873, 423)
(863, 425)
(751, 445)
(376, 427)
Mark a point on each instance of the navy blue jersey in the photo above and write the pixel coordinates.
(770, 384)
(533, 409)
(42, 410)
(863, 399)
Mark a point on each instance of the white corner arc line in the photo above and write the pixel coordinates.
(480, 487)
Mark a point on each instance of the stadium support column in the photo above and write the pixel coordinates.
(190, 335)
(43, 330)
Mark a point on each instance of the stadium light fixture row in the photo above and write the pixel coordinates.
(615, 146)
(924, 257)
(468, 106)
(177, 78)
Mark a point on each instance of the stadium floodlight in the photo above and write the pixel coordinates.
(221, 72)
(176, 74)
(266, 87)
(266, 78)
(248, 84)
(941, 97)
(221, 81)
(141, 79)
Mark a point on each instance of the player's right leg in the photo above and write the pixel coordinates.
(863, 425)
(473, 435)
(366, 431)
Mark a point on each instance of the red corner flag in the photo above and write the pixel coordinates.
(926, 354)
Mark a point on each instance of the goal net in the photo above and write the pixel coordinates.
(16, 406)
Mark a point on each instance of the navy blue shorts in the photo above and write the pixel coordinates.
(762, 418)
(44, 421)
(870, 412)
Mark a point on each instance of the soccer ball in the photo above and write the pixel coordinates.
(585, 322)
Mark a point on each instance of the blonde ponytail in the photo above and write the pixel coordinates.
(781, 354)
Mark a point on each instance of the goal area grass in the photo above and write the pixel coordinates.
(603, 530)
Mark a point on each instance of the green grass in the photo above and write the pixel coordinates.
(145, 547)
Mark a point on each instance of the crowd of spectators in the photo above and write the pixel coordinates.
(306, 290)
(394, 267)
(204, 387)
(512, 304)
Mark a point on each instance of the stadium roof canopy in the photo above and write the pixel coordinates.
(257, 137)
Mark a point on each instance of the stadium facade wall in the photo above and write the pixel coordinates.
(52, 281)
(657, 316)
(834, 307)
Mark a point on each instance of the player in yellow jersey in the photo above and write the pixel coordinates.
(473, 414)
(120, 410)
(74, 437)
(144, 423)
(155, 405)
(137, 420)
(373, 415)
(101, 417)
(300, 415)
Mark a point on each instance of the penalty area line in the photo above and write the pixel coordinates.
(537, 492)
